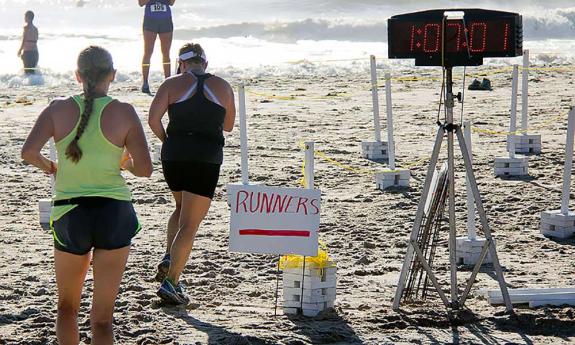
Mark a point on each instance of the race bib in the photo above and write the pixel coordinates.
(158, 7)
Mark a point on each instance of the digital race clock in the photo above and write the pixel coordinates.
(433, 39)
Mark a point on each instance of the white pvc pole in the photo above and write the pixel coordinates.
(568, 162)
(243, 134)
(309, 169)
(471, 233)
(513, 121)
(53, 159)
(525, 91)
(375, 99)
(389, 110)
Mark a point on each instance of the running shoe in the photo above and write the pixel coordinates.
(146, 89)
(172, 294)
(163, 268)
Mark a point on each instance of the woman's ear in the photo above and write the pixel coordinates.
(112, 76)
(78, 78)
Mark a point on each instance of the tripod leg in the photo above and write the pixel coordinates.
(418, 218)
(430, 274)
(483, 218)
(452, 229)
(476, 269)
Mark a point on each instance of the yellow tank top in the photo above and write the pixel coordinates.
(98, 171)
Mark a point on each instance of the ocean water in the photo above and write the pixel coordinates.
(254, 37)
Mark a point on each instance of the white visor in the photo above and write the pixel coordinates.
(192, 54)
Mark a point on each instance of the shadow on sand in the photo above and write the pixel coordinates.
(326, 328)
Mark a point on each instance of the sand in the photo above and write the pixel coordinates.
(364, 228)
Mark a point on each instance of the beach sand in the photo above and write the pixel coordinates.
(364, 229)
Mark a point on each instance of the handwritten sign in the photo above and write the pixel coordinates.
(273, 220)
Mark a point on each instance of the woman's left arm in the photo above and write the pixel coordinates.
(42, 131)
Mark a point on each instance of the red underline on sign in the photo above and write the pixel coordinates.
(287, 233)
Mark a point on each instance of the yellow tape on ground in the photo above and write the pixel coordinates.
(296, 62)
(519, 131)
(350, 168)
(294, 98)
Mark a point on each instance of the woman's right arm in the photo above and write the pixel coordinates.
(42, 131)
(22, 44)
(139, 163)
(143, 2)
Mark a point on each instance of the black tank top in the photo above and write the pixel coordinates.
(195, 129)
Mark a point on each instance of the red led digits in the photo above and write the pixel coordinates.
(426, 33)
(412, 38)
(477, 36)
(478, 44)
(506, 37)
(457, 27)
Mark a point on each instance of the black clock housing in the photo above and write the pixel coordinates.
(479, 34)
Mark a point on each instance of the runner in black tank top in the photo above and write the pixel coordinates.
(195, 129)
(200, 107)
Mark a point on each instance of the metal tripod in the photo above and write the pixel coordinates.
(413, 247)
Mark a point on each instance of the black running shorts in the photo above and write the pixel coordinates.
(158, 25)
(99, 223)
(195, 177)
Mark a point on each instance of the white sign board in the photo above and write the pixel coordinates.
(274, 220)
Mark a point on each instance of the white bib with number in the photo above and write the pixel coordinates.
(159, 7)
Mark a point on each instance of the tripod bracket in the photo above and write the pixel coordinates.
(448, 127)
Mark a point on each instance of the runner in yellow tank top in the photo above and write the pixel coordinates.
(93, 213)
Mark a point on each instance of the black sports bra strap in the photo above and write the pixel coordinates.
(200, 86)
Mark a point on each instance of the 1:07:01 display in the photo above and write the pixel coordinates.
(483, 36)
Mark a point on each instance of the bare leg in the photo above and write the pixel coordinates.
(149, 41)
(194, 209)
(166, 44)
(109, 267)
(174, 221)
(70, 275)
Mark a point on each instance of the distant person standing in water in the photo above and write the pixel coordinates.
(157, 22)
(28, 51)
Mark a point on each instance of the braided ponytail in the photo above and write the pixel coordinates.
(94, 64)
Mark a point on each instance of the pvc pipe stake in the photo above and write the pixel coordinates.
(243, 135)
(389, 110)
(471, 232)
(375, 99)
(525, 92)
(568, 162)
(309, 168)
(513, 120)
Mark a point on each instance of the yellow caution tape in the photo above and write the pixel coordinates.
(322, 259)
(519, 131)
(293, 98)
(296, 62)
(350, 168)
